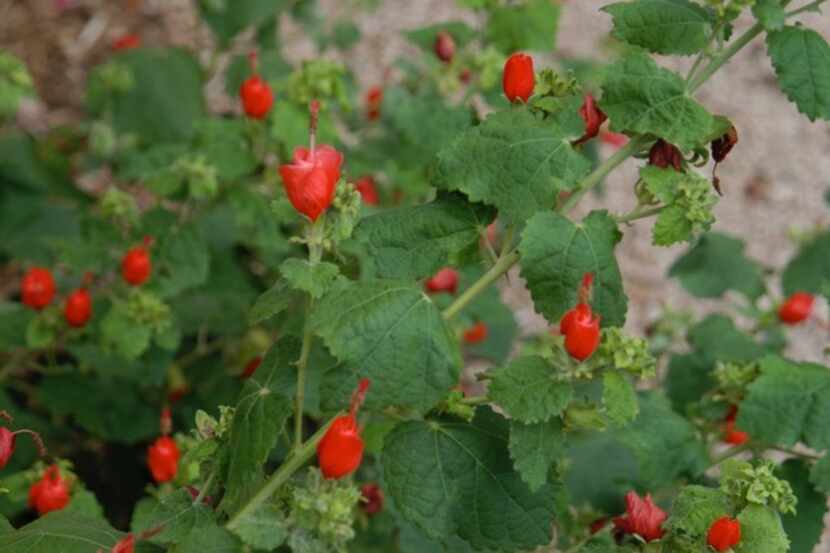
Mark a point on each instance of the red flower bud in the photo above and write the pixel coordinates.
(136, 266)
(579, 326)
(127, 42)
(78, 308)
(255, 93)
(310, 179)
(257, 97)
(371, 499)
(642, 517)
(125, 545)
(593, 117)
(663, 155)
(374, 99)
(476, 333)
(796, 308)
(366, 187)
(163, 459)
(341, 449)
(37, 288)
(444, 46)
(7, 440)
(50, 493)
(724, 534)
(251, 368)
(445, 280)
(518, 79)
(723, 145)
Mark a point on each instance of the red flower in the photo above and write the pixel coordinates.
(127, 42)
(366, 187)
(50, 493)
(257, 97)
(663, 154)
(37, 288)
(78, 308)
(341, 449)
(518, 79)
(163, 459)
(374, 99)
(371, 499)
(476, 333)
(310, 179)
(593, 117)
(7, 440)
(796, 308)
(579, 326)
(723, 145)
(618, 140)
(445, 280)
(724, 534)
(642, 517)
(732, 435)
(444, 46)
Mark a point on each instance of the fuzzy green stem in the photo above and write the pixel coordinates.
(639, 212)
(291, 465)
(797, 453)
(729, 453)
(806, 7)
(724, 57)
(308, 337)
(502, 266)
(596, 176)
(475, 400)
(205, 487)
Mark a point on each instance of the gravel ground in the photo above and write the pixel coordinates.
(774, 179)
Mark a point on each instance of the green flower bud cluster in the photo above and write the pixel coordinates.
(489, 64)
(729, 10)
(119, 206)
(733, 378)
(626, 353)
(148, 309)
(199, 176)
(322, 512)
(319, 79)
(746, 484)
(112, 77)
(455, 406)
(695, 198)
(15, 83)
(551, 83)
(340, 221)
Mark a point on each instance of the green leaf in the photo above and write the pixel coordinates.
(60, 531)
(123, 334)
(513, 162)
(642, 98)
(528, 391)
(14, 319)
(181, 261)
(692, 513)
(262, 529)
(770, 13)
(535, 448)
(414, 242)
(176, 513)
(718, 339)
(801, 58)
(210, 539)
(110, 408)
(528, 26)
(664, 443)
(456, 478)
(717, 264)
(425, 36)
(392, 334)
(689, 377)
(662, 26)
(805, 527)
(809, 270)
(601, 471)
(258, 420)
(556, 253)
(224, 144)
(820, 474)
(619, 398)
(789, 402)
(227, 19)
(313, 278)
(271, 303)
(761, 531)
(165, 100)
